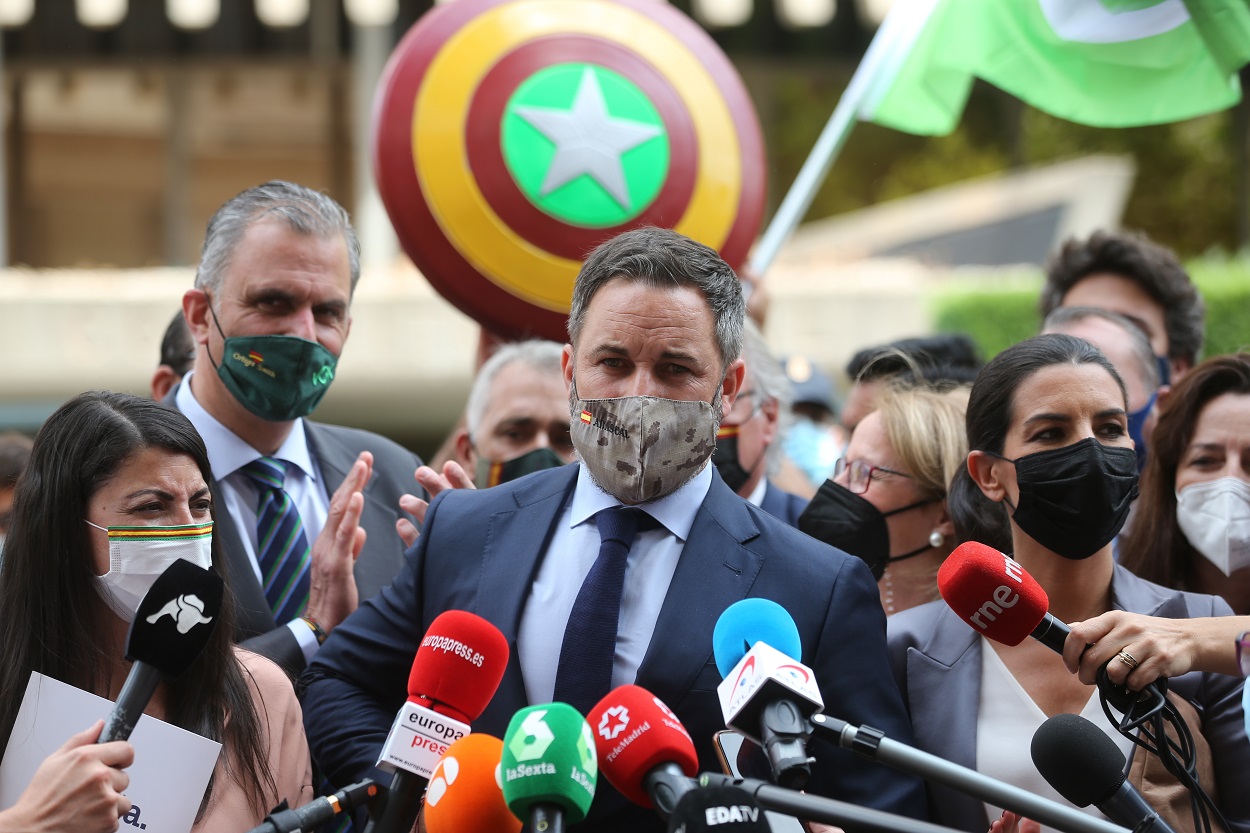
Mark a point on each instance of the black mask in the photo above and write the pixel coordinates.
(851, 523)
(726, 458)
(1075, 499)
(492, 474)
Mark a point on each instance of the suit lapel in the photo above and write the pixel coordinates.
(251, 608)
(334, 461)
(515, 542)
(714, 571)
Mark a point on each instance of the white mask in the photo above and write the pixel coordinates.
(139, 554)
(1215, 517)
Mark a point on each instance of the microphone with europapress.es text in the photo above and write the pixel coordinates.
(457, 669)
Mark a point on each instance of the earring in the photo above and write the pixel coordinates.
(936, 539)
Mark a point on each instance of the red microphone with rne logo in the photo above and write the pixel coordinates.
(997, 598)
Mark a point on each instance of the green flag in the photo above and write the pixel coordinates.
(1106, 63)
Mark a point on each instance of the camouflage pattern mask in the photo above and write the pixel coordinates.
(640, 448)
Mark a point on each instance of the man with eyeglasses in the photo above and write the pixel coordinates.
(749, 441)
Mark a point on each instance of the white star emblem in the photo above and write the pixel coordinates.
(588, 140)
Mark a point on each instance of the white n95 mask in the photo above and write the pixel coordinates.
(1215, 517)
(139, 554)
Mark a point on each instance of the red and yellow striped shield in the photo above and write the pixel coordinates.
(513, 136)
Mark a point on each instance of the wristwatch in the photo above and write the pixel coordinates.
(1243, 653)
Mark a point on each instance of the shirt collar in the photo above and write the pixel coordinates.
(227, 451)
(675, 511)
(757, 494)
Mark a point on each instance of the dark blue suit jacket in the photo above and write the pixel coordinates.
(782, 504)
(480, 550)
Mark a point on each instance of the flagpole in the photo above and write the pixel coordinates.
(880, 57)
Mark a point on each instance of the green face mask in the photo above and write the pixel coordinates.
(278, 378)
(492, 474)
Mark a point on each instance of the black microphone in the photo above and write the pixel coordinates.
(1086, 767)
(170, 629)
(319, 811)
(724, 809)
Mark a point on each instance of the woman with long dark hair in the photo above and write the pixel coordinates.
(68, 592)
(1191, 529)
(1048, 438)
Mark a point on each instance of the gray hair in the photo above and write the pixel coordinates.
(769, 380)
(304, 210)
(664, 259)
(1143, 354)
(542, 356)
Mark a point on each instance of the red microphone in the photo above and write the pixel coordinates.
(458, 666)
(643, 749)
(464, 795)
(997, 598)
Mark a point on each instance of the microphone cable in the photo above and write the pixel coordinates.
(1146, 717)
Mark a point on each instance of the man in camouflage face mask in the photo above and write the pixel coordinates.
(655, 331)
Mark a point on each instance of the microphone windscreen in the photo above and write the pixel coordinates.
(458, 665)
(176, 618)
(719, 809)
(549, 758)
(992, 593)
(750, 621)
(1078, 759)
(465, 795)
(634, 733)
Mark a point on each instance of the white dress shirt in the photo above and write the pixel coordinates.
(573, 549)
(228, 454)
(1006, 722)
(756, 498)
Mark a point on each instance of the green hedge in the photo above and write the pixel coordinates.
(999, 312)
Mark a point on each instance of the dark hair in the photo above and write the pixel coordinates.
(991, 407)
(14, 457)
(991, 403)
(948, 357)
(1151, 266)
(50, 613)
(976, 517)
(663, 258)
(177, 347)
(1154, 546)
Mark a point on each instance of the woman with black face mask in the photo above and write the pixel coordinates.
(1048, 437)
(886, 502)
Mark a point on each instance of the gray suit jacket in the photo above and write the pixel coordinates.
(335, 449)
(936, 659)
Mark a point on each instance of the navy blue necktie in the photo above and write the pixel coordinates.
(584, 674)
(281, 545)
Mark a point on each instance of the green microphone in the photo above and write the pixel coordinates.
(549, 767)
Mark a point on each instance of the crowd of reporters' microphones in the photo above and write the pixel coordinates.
(546, 768)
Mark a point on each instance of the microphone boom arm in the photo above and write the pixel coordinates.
(872, 744)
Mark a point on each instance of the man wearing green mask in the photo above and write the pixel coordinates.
(270, 313)
(516, 422)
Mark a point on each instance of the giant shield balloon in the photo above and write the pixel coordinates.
(513, 136)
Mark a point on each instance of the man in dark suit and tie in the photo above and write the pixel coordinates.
(269, 313)
(655, 330)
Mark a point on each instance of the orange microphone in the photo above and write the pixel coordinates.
(464, 795)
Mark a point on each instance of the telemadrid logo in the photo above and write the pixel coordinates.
(613, 722)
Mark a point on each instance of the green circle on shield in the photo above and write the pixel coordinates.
(585, 145)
